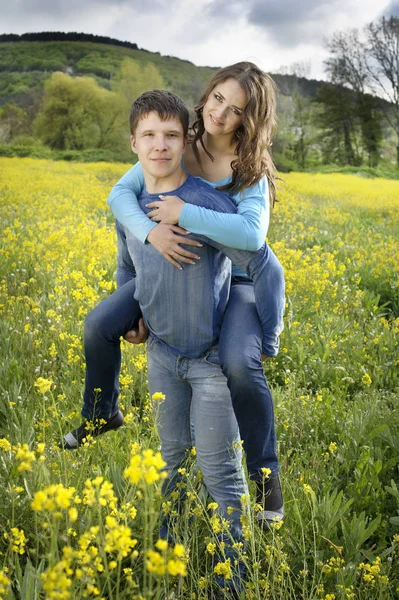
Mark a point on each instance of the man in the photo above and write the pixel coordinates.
(183, 310)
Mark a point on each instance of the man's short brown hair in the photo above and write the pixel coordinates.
(166, 104)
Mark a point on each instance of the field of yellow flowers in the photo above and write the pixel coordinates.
(84, 524)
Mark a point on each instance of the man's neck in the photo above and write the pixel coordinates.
(156, 185)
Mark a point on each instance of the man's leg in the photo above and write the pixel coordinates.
(172, 417)
(219, 452)
(104, 326)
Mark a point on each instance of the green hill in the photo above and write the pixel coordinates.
(25, 65)
(318, 122)
(26, 61)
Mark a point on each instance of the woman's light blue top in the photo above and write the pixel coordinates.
(245, 230)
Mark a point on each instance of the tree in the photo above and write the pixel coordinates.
(338, 123)
(78, 114)
(131, 80)
(13, 122)
(383, 66)
(348, 66)
(297, 127)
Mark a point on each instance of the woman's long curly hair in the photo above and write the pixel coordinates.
(255, 133)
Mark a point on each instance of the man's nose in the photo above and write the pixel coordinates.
(160, 143)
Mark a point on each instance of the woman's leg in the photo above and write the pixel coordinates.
(240, 350)
(104, 326)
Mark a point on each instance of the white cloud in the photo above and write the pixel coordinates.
(212, 32)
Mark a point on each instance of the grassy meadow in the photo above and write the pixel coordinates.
(84, 524)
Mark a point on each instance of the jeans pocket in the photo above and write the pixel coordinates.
(212, 356)
(152, 341)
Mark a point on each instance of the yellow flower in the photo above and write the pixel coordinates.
(25, 456)
(332, 448)
(211, 548)
(307, 489)
(73, 514)
(158, 397)
(161, 545)
(179, 550)
(17, 539)
(366, 379)
(176, 567)
(5, 445)
(266, 472)
(223, 569)
(43, 385)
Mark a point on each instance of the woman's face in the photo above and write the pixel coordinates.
(224, 108)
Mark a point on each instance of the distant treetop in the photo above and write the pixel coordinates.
(60, 36)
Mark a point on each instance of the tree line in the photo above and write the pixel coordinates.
(352, 119)
(60, 36)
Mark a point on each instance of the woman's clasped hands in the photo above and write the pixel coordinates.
(166, 210)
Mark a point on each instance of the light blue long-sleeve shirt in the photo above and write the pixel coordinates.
(184, 309)
(245, 230)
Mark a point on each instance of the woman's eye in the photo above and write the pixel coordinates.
(218, 98)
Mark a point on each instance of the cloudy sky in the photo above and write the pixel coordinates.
(272, 33)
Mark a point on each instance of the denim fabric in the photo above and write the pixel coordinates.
(171, 300)
(239, 350)
(104, 325)
(197, 404)
(240, 347)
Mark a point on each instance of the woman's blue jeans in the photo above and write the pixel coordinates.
(240, 358)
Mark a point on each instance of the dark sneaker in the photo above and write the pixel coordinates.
(94, 428)
(270, 497)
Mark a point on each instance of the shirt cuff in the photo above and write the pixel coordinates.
(185, 216)
(149, 227)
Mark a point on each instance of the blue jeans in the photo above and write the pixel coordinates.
(239, 347)
(197, 411)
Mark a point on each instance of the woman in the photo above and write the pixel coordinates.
(236, 119)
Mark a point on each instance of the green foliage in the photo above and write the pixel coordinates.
(23, 64)
(13, 122)
(78, 114)
(131, 80)
(335, 386)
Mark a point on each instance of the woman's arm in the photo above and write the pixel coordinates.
(123, 203)
(245, 230)
(165, 238)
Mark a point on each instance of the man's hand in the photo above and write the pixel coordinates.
(265, 357)
(166, 239)
(166, 210)
(138, 335)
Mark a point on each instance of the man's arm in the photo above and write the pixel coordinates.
(125, 270)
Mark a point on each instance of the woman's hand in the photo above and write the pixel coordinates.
(166, 210)
(166, 239)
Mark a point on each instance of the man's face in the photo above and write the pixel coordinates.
(159, 145)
